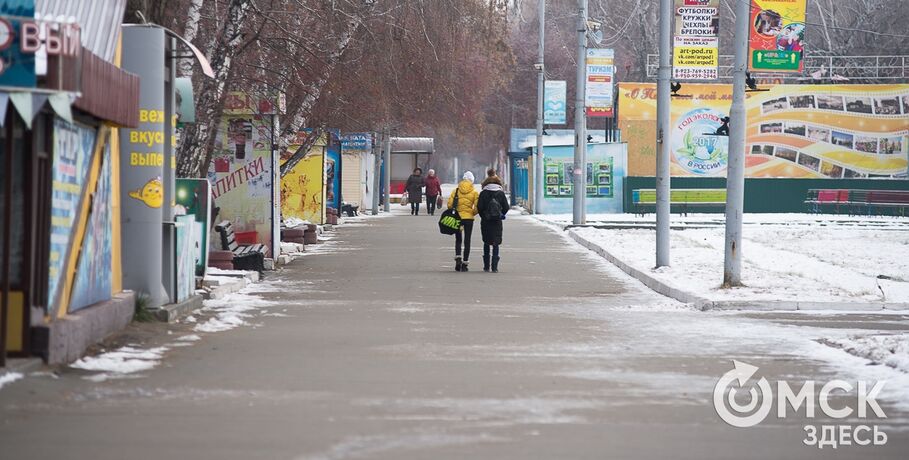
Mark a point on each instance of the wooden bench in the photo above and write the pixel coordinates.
(251, 257)
(681, 199)
(866, 202)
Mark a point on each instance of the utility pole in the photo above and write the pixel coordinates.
(735, 172)
(538, 182)
(579, 216)
(663, 135)
(376, 172)
(386, 154)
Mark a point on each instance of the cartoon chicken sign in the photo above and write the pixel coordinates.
(152, 193)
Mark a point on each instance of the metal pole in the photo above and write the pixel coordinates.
(663, 134)
(376, 172)
(538, 182)
(735, 173)
(386, 154)
(580, 122)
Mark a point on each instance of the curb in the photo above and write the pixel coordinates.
(172, 312)
(704, 304)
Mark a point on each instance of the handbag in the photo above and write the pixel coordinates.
(450, 221)
(439, 201)
(404, 197)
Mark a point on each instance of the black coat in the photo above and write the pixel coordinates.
(491, 228)
(414, 188)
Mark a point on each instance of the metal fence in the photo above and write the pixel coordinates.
(822, 69)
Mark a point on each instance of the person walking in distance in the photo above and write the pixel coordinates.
(414, 188)
(492, 206)
(433, 190)
(466, 199)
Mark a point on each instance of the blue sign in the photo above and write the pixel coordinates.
(555, 104)
(16, 67)
(356, 142)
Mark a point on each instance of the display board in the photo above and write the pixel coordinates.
(832, 131)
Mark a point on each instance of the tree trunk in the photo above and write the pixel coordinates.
(198, 139)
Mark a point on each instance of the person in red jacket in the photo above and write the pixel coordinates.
(433, 190)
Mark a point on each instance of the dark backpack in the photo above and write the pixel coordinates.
(494, 209)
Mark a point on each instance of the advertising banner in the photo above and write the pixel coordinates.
(555, 102)
(600, 81)
(811, 131)
(605, 178)
(777, 35)
(142, 167)
(333, 170)
(696, 54)
(17, 67)
(242, 173)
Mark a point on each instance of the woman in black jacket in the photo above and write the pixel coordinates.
(492, 207)
(414, 188)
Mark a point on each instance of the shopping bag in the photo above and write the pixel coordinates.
(439, 201)
(450, 221)
(404, 199)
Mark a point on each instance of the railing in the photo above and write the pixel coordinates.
(822, 69)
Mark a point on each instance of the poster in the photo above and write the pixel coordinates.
(333, 170)
(93, 272)
(777, 36)
(605, 175)
(303, 187)
(559, 175)
(811, 131)
(242, 176)
(695, 54)
(193, 196)
(555, 103)
(600, 80)
(73, 150)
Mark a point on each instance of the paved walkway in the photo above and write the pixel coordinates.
(378, 349)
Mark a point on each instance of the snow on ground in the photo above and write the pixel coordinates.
(9, 377)
(790, 257)
(888, 349)
(122, 361)
(231, 311)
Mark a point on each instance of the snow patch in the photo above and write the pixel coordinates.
(888, 349)
(124, 360)
(9, 377)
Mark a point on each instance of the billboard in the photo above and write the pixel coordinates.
(555, 102)
(777, 36)
(600, 80)
(605, 171)
(696, 54)
(811, 131)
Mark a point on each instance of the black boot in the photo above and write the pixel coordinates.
(485, 263)
(464, 266)
(495, 264)
(458, 264)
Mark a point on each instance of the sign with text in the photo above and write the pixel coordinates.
(555, 105)
(696, 53)
(777, 36)
(600, 82)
